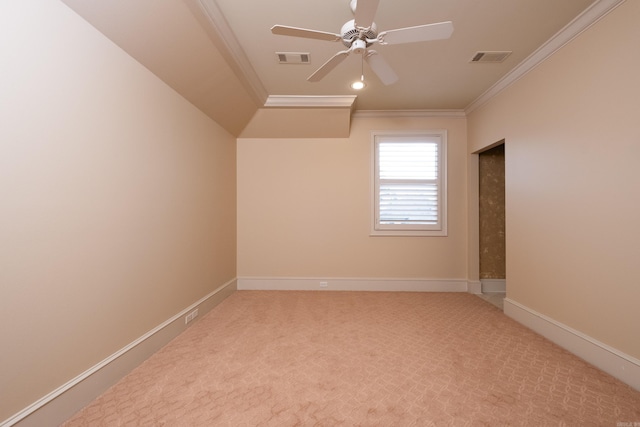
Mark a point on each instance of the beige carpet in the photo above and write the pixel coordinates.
(360, 358)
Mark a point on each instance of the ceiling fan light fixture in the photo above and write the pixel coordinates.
(358, 84)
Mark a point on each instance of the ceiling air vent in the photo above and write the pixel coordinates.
(293, 57)
(490, 56)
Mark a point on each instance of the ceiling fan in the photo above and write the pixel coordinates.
(360, 33)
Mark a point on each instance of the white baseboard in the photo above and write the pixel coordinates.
(59, 405)
(474, 287)
(614, 362)
(351, 284)
(490, 286)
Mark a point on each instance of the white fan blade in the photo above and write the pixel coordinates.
(328, 66)
(421, 33)
(379, 66)
(283, 30)
(365, 12)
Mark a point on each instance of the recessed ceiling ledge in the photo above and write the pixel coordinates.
(303, 101)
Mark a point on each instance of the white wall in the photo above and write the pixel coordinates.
(572, 181)
(117, 200)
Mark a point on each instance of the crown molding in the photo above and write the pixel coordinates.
(297, 101)
(409, 113)
(586, 19)
(224, 32)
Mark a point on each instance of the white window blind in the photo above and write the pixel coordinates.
(409, 196)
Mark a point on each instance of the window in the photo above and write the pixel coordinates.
(409, 191)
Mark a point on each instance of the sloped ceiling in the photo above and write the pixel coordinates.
(174, 40)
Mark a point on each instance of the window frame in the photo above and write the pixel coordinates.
(436, 230)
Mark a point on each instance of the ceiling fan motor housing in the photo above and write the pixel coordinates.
(350, 33)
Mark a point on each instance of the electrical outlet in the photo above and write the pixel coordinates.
(324, 284)
(189, 317)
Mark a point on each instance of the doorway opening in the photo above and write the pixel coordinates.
(492, 223)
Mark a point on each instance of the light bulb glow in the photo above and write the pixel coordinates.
(357, 85)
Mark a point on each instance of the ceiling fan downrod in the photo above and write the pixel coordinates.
(353, 4)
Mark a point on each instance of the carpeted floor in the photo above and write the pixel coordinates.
(361, 358)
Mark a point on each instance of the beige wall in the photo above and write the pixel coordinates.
(304, 208)
(572, 181)
(117, 206)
